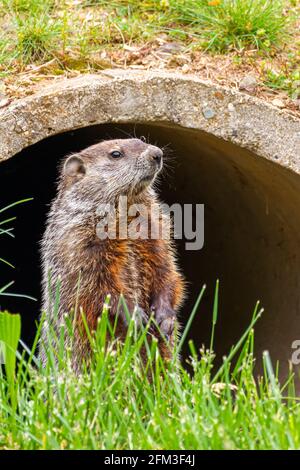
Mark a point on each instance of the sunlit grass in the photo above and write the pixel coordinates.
(121, 401)
(34, 31)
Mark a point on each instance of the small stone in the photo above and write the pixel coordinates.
(4, 100)
(248, 83)
(231, 108)
(277, 102)
(297, 103)
(185, 68)
(219, 95)
(170, 48)
(208, 112)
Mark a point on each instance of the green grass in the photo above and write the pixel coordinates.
(32, 28)
(287, 80)
(36, 37)
(38, 30)
(7, 230)
(51, 37)
(122, 402)
(238, 24)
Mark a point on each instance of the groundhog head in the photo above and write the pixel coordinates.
(116, 167)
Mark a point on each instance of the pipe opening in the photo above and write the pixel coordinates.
(252, 222)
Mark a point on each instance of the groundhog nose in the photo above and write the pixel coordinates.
(157, 156)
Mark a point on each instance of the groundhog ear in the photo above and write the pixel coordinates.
(74, 166)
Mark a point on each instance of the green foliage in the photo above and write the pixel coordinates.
(36, 37)
(218, 24)
(10, 332)
(5, 230)
(28, 6)
(227, 24)
(288, 80)
(36, 30)
(126, 397)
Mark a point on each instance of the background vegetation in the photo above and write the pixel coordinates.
(218, 39)
(122, 402)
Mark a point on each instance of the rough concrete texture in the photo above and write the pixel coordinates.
(130, 96)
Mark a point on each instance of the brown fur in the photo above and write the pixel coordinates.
(144, 271)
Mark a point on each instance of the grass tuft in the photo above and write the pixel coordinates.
(36, 37)
(235, 24)
(126, 397)
(76, 33)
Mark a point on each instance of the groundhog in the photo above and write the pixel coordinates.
(89, 266)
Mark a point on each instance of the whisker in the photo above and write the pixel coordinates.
(128, 134)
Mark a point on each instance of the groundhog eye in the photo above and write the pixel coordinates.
(116, 154)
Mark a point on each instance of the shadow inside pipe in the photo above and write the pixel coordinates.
(252, 223)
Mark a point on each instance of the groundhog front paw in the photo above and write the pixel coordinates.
(165, 319)
(167, 327)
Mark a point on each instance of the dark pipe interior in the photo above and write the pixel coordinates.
(252, 222)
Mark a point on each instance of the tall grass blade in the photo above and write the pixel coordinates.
(190, 320)
(10, 332)
(215, 315)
